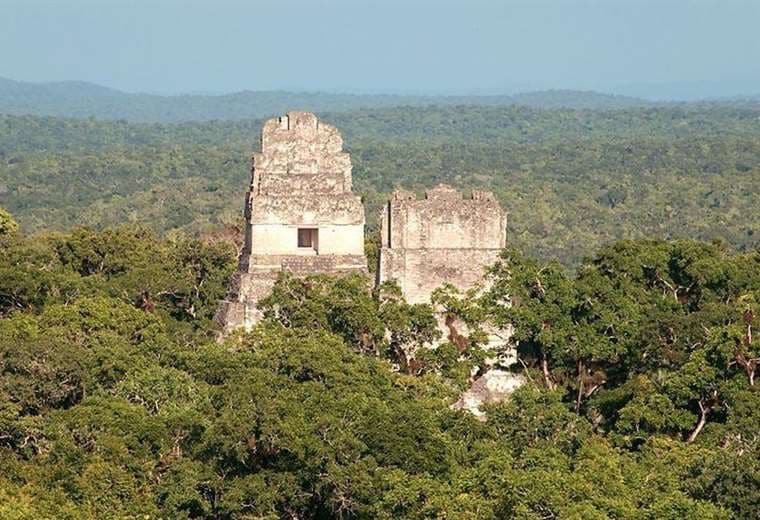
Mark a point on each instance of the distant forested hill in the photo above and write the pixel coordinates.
(82, 100)
(421, 125)
(572, 179)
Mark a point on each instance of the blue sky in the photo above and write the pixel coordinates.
(172, 46)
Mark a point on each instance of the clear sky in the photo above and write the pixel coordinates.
(172, 46)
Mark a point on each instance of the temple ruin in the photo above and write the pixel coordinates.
(447, 238)
(301, 215)
(443, 238)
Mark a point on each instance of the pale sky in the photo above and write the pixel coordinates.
(172, 46)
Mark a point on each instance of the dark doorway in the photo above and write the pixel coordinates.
(308, 237)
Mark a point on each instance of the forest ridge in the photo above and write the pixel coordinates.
(572, 179)
(81, 99)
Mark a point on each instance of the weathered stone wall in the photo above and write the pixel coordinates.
(420, 271)
(278, 239)
(298, 147)
(300, 179)
(443, 238)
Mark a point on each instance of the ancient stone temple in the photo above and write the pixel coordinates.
(446, 238)
(301, 215)
(443, 238)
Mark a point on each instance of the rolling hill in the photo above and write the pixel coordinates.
(83, 100)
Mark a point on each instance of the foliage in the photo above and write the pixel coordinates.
(642, 401)
(116, 402)
(572, 180)
(8, 225)
(181, 277)
(649, 337)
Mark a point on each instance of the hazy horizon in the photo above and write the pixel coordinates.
(667, 50)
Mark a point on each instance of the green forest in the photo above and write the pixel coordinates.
(572, 180)
(631, 278)
(116, 401)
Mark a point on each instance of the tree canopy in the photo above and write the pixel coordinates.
(573, 180)
(115, 400)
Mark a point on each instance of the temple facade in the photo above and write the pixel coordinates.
(301, 215)
(442, 238)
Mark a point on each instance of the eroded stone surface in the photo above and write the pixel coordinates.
(492, 387)
(443, 238)
(301, 179)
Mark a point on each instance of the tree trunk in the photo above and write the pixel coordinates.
(703, 411)
(545, 369)
(579, 398)
(753, 362)
(589, 391)
(749, 365)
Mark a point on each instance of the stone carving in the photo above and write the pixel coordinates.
(301, 215)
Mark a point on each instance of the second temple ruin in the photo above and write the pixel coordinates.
(443, 238)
